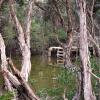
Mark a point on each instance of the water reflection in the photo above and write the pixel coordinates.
(45, 76)
(55, 61)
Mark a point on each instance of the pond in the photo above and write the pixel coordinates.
(48, 75)
(45, 72)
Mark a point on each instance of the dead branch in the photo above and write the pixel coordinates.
(13, 80)
(40, 6)
(98, 78)
(64, 95)
(59, 13)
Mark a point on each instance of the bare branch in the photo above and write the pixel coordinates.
(59, 13)
(69, 14)
(39, 6)
(60, 43)
(98, 78)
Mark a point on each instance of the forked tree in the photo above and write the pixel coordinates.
(23, 37)
(15, 79)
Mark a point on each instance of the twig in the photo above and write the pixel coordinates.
(94, 75)
(39, 6)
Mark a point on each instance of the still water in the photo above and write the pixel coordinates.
(44, 72)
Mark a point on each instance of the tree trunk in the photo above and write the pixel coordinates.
(88, 95)
(69, 35)
(4, 63)
(23, 38)
(14, 80)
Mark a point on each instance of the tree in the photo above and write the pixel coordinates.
(84, 54)
(13, 78)
(55, 13)
(23, 38)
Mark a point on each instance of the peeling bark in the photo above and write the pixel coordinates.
(88, 94)
(4, 64)
(24, 38)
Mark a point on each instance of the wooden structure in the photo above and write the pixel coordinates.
(60, 52)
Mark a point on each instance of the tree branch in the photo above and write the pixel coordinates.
(39, 6)
(17, 24)
(28, 23)
(59, 13)
(26, 87)
(98, 78)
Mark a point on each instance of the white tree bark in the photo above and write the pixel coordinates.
(27, 40)
(4, 63)
(88, 95)
(24, 38)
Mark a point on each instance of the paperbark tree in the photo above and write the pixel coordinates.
(84, 55)
(4, 64)
(13, 78)
(23, 38)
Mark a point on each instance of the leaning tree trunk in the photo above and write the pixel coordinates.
(88, 95)
(13, 80)
(23, 38)
(4, 63)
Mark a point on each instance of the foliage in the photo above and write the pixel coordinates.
(66, 80)
(6, 96)
(42, 93)
(95, 64)
(62, 35)
(32, 81)
(55, 91)
(66, 77)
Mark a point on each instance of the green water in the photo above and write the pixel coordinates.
(42, 74)
(45, 73)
